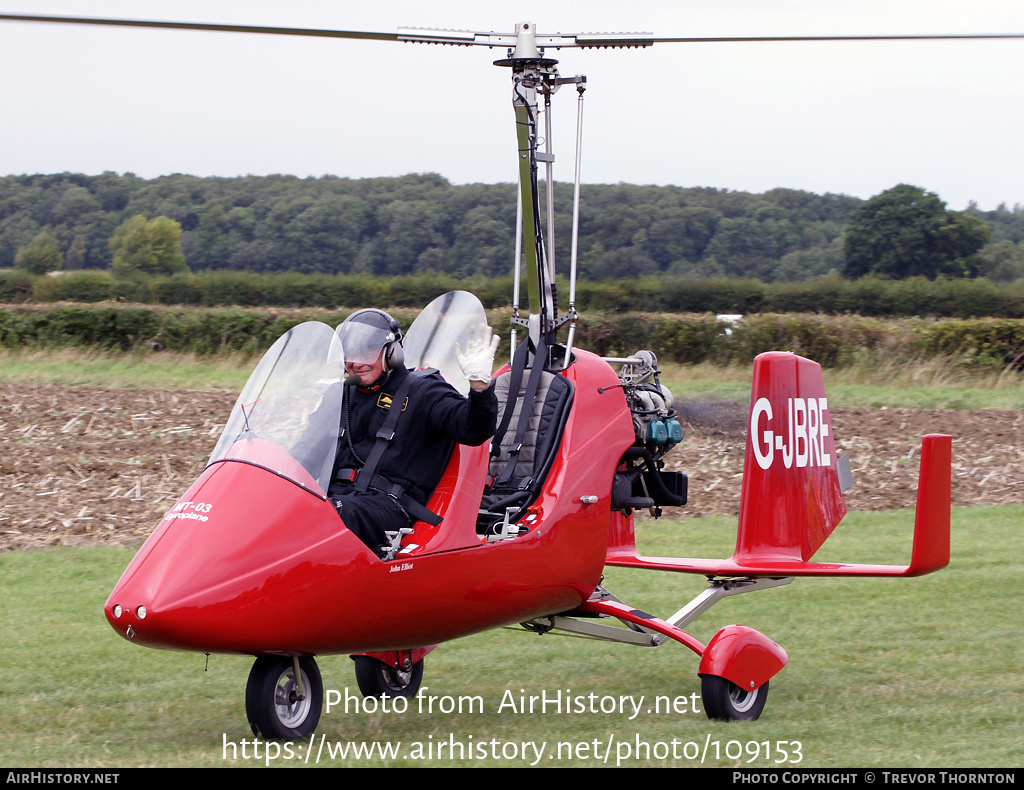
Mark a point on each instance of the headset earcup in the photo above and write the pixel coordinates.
(394, 356)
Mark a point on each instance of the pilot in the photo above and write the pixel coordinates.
(382, 483)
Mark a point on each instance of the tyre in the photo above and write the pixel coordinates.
(725, 701)
(375, 678)
(272, 702)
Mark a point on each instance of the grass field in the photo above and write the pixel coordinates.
(883, 673)
(888, 673)
(930, 384)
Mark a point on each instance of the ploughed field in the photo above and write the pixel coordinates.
(82, 465)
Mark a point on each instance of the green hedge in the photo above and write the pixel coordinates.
(15, 286)
(828, 295)
(247, 289)
(833, 341)
(130, 327)
(986, 342)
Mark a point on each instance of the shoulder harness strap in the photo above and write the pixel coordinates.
(367, 476)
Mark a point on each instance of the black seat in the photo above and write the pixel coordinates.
(522, 454)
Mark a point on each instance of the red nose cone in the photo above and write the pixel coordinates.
(238, 551)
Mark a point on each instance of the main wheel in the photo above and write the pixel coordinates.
(726, 701)
(272, 698)
(375, 678)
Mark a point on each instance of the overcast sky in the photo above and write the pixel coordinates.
(852, 118)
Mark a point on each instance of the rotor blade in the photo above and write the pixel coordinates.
(410, 35)
(469, 38)
(278, 31)
(896, 37)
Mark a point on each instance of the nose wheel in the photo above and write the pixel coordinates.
(280, 704)
(375, 677)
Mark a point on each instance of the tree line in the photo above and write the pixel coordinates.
(422, 223)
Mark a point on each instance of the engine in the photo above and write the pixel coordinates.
(641, 481)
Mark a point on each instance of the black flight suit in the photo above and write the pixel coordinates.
(435, 416)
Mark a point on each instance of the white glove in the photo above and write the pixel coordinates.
(477, 361)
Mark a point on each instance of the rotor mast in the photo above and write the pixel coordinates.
(533, 77)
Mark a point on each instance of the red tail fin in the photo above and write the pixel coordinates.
(791, 499)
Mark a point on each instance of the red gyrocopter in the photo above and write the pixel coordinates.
(255, 560)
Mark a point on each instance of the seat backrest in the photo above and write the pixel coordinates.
(519, 475)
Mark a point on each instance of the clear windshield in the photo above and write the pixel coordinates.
(287, 417)
(430, 341)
